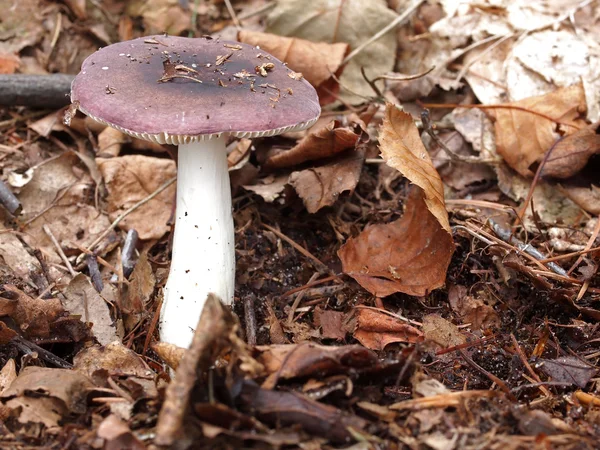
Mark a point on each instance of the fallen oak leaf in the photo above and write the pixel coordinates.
(325, 142)
(376, 329)
(401, 148)
(316, 61)
(409, 255)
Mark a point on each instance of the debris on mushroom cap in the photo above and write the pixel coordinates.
(177, 90)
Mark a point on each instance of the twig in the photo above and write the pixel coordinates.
(28, 347)
(128, 255)
(35, 91)
(501, 384)
(118, 220)
(570, 255)
(94, 270)
(59, 250)
(393, 24)
(526, 364)
(428, 128)
(234, 18)
(298, 299)
(153, 324)
(507, 236)
(538, 174)
(250, 318)
(319, 264)
(501, 106)
(308, 285)
(9, 201)
(263, 9)
(404, 77)
(587, 247)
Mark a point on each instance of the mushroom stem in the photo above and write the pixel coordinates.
(203, 258)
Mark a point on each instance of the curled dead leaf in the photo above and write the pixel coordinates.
(523, 137)
(572, 153)
(321, 186)
(303, 360)
(401, 148)
(409, 255)
(326, 141)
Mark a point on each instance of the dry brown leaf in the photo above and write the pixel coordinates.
(117, 435)
(586, 197)
(82, 299)
(9, 63)
(316, 61)
(59, 195)
(401, 148)
(110, 142)
(140, 287)
(132, 178)
(16, 257)
(33, 316)
(8, 374)
(46, 395)
(523, 138)
(571, 154)
(303, 360)
(269, 188)
(326, 141)
(161, 16)
(441, 332)
(376, 329)
(409, 255)
(321, 186)
(472, 310)
(351, 21)
(331, 323)
(97, 363)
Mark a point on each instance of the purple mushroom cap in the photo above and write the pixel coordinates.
(178, 90)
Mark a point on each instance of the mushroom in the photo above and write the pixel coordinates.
(194, 93)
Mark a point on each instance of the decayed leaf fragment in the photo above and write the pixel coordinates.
(401, 148)
(45, 395)
(376, 329)
(326, 141)
(316, 61)
(34, 317)
(523, 137)
(409, 255)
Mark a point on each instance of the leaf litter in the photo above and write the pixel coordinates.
(405, 278)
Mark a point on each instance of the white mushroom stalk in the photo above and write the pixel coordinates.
(203, 258)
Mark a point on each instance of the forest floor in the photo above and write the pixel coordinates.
(417, 270)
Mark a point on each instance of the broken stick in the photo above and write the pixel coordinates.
(35, 91)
